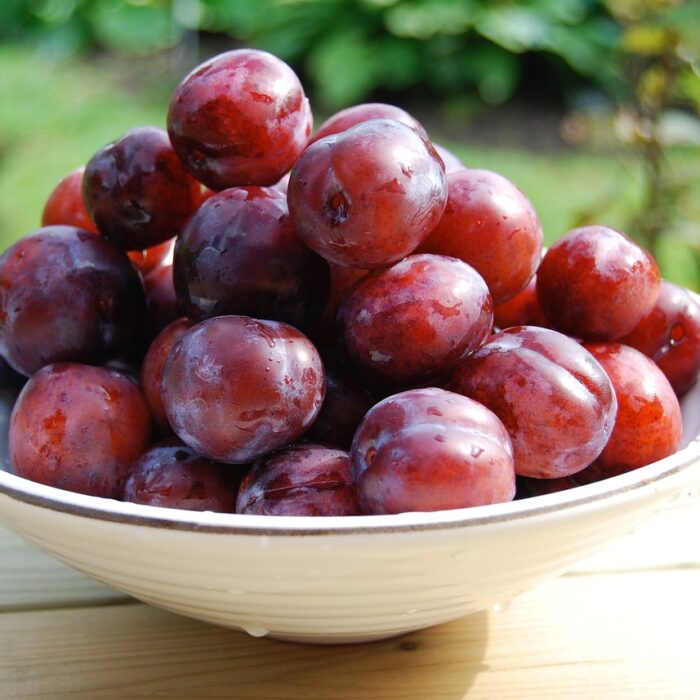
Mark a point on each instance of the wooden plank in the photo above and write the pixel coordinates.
(31, 579)
(617, 636)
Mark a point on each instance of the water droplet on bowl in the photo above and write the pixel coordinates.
(254, 630)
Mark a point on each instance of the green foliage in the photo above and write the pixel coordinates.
(348, 48)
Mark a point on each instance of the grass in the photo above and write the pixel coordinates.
(55, 113)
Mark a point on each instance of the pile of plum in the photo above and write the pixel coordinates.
(238, 316)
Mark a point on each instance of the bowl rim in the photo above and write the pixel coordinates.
(660, 476)
(653, 478)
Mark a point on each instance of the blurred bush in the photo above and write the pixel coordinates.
(348, 48)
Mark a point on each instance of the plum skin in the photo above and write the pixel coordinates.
(490, 224)
(553, 397)
(137, 191)
(416, 319)
(670, 335)
(306, 480)
(65, 206)
(597, 284)
(235, 388)
(174, 476)
(78, 428)
(240, 254)
(351, 116)
(368, 196)
(649, 424)
(66, 295)
(240, 118)
(152, 368)
(430, 449)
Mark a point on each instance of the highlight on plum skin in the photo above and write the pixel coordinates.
(240, 118)
(49, 442)
(240, 254)
(367, 197)
(670, 335)
(649, 424)
(235, 388)
(152, 369)
(307, 480)
(416, 319)
(351, 116)
(554, 398)
(65, 206)
(490, 224)
(174, 476)
(597, 284)
(137, 191)
(66, 295)
(430, 449)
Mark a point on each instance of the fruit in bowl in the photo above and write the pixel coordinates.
(319, 356)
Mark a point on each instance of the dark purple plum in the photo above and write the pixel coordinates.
(310, 480)
(235, 388)
(174, 476)
(137, 191)
(66, 295)
(240, 254)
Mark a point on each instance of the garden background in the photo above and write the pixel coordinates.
(592, 107)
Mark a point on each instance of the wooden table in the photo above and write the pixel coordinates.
(625, 624)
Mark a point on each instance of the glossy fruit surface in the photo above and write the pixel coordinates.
(670, 335)
(368, 196)
(649, 425)
(78, 428)
(240, 254)
(137, 191)
(490, 224)
(430, 449)
(553, 397)
(311, 480)
(66, 295)
(152, 369)
(416, 319)
(346, 118)
(235, 388)
(65, 206)
(174, 476)
(597, 284)
(241, 118)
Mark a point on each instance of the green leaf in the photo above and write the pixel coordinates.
(514, 28)
(137, 29)
(342, 67)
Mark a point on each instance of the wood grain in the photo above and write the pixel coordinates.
(625, 624)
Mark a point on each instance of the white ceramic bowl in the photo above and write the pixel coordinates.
(338, 579)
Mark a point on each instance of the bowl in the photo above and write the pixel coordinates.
(337, 580)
